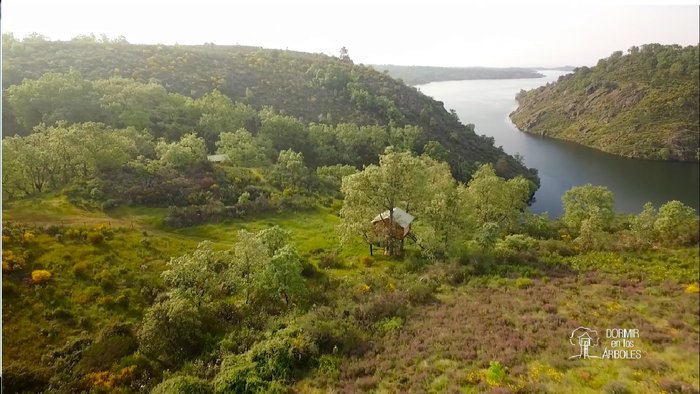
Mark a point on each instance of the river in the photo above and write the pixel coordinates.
(563, 164)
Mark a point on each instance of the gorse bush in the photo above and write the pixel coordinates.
(40, 276)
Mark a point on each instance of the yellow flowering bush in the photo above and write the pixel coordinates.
(41, 276)
(692, 288)
(108, 380)
(364, 288)
(12, 260)
(27, 237)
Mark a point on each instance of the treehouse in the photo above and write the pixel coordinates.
(391, 228)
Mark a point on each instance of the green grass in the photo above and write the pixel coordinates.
(49, 209)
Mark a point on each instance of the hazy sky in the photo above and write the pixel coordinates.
(407, 32)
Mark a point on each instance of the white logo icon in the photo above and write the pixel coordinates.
(584, 338)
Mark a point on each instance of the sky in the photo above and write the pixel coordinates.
(435, 33)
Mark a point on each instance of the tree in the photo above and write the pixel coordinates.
(677, 223)
(345, 55)
(53, 97)
(265, 264)
(125, 102)
(54, 156)
(290, 171)
(249, 257)
(400, 180)
(283, 132)
(199, 276)
(405, 138)
(171, 330)
(241, 149)
(283, 275)
(582, 201)
(435, 150)
(492, 199)
(642, 225)
(219, 114)
(187, 152)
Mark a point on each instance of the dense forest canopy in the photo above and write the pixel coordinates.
(642, 104)
(153, 87)
(415, 75)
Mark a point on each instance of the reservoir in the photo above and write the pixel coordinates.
(563, 164)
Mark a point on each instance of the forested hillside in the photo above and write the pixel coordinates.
(414, 75)
(133, 261)
(643, 104)
(310, 87)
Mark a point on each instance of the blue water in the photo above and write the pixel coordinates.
(563, 164)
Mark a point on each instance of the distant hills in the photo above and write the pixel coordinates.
(415, 75)
(643, 104)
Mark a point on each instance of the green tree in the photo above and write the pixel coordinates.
(171, 331)
(266, 265)
(591, 231)
(282, 132)
(283, 274)
(249, 257)
(200, 276)
(219, 114)
(492, 199)
(677, 223)
(125, 102)
(290, 171)
(580, 203)
(400, 180)
(435, 150)
(241, 148)
(186, 153)
(642, 225)
(51, 98)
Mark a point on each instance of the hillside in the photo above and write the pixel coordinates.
(643, 104)
(415, 75)
(312, 87)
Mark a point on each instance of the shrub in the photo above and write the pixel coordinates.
(390, 324)
(380, 305)
(522, 283)
(171, 331)
(95, 237)
(421, 292)
(496, 374)
(692, 288)
(330, 260)
(106, 280)
(81, 270)
(21, 378)
(103, 354)
(330, 330)
(616, 387)
(40, 276)
(366, 261)
(329, 365)
(238, 375)
(283, 352)
(183, 385)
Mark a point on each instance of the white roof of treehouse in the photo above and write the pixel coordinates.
(217, 158)
(401, 217)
